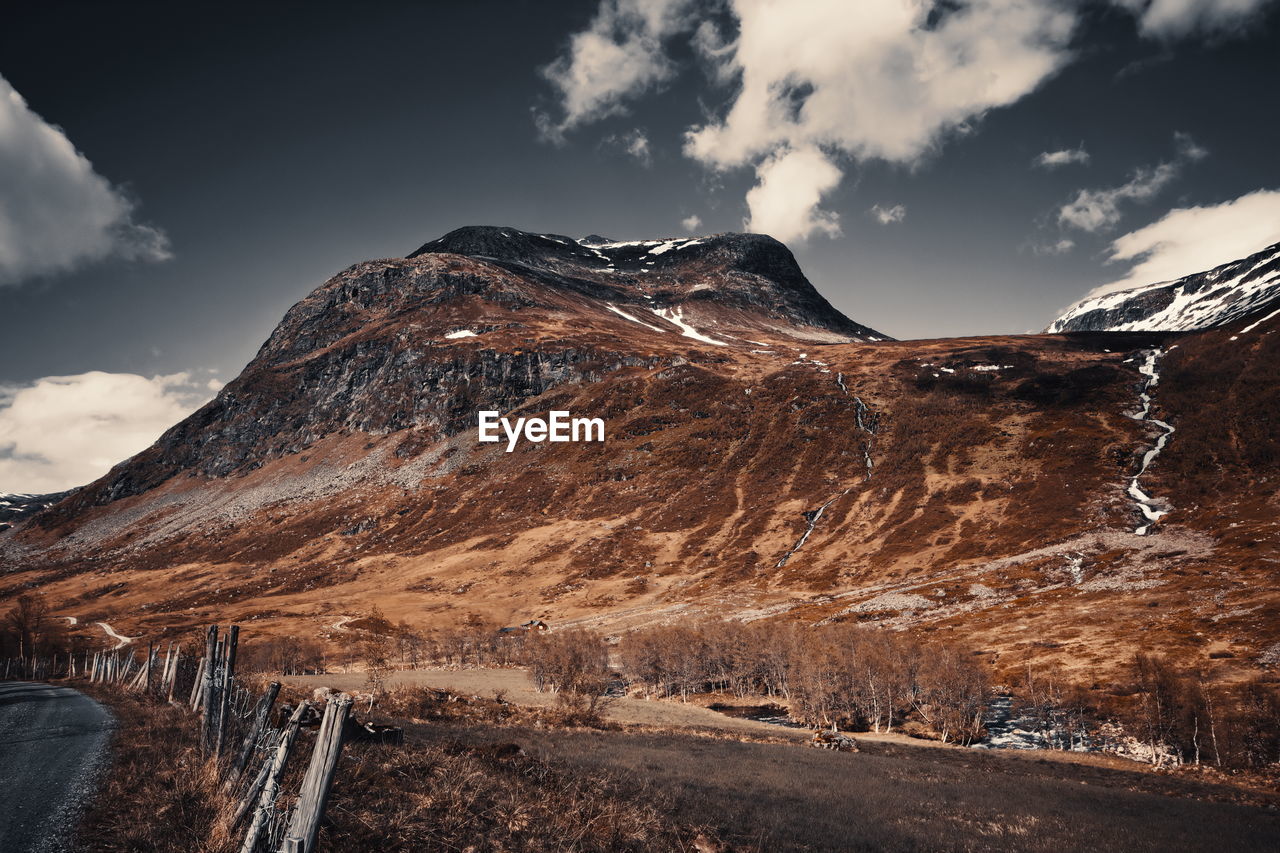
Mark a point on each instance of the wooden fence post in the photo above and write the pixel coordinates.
(251, 795)
(261, 715)
(198, 685)
(319, 777)
(227, 691)
(211, 702)
(271, 785)
(173, 672)
(152, 651)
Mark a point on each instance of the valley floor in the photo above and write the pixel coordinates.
(897, 794)
(889, 797)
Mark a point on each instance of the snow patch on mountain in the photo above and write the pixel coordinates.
(675, 316)
(624, 315)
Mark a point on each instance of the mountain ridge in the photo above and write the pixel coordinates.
(1200, 300)
(756, 466)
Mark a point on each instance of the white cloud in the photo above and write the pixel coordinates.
(1192, 239)
(784, 204)
(635, 143)
(1065, 157)
(56, 212)
(1094, 209)
(815, 82)
(890, 82)
(619, 55)
(1059, 248)
(1091, 210)
(1173, 19)
(691, 223)
(888, 215)
(64, 431)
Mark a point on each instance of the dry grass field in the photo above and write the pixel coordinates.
(894, 797)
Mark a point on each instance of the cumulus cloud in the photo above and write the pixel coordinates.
(1094, 209)
(1192, 239)
(1065, 157)
(888, 215)
(784, 203)
(56, 212)
(64, 431)
(815, 83)
(619, 55)
(1173, 19)
(691, 223)
(889, 83)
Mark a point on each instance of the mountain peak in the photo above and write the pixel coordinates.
(745, 271)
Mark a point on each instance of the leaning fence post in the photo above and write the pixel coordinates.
(198, 684)
(251, 795)
(261, 714)
(271, 786)
(173, 674)
(146, 676)
(319, 777)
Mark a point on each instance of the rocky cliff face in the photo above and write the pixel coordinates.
(1199, 301)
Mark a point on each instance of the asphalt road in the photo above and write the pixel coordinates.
(53, 742)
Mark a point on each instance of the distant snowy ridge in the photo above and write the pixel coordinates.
(16, 508)
(1199, 301)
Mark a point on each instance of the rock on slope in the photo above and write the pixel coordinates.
(766, 458)
(1199, 301)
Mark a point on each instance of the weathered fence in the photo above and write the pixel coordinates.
(235, 729)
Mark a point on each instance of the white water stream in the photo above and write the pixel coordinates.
(1145, 503)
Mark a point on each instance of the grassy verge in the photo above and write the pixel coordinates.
(160, 795)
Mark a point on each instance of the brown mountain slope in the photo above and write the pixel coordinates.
(764, 459)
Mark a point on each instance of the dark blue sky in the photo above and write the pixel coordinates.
(275, 146)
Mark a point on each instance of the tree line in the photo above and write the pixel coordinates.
(835, 675)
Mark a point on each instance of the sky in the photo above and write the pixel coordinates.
(173, 178)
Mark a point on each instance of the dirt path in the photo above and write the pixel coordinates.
(53, 742)
(121, 639)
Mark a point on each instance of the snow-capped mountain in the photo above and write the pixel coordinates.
(16, 508)
(1198, 301)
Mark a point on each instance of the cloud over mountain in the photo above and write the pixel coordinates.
(1196, 238)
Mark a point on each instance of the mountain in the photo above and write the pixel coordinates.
(16, 509)
(1055, 499)
(1199, 301)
